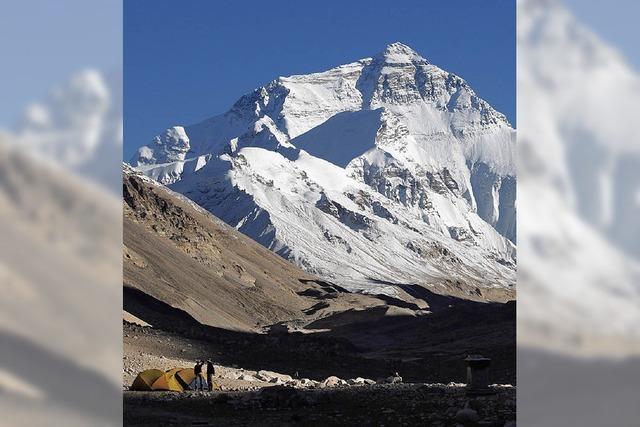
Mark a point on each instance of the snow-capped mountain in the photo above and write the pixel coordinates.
(385, 170)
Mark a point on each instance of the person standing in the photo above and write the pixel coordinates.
(197, 370)
(210, 372)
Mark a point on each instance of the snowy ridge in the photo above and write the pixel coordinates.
(387, 169)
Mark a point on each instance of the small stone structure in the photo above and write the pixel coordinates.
(478, 374)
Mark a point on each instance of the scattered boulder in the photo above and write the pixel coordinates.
(331, 381)
(306, 382)
(268, 376)
(361, 381)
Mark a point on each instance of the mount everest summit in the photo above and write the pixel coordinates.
(374, 174)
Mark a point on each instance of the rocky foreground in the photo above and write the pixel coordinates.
(146, 349)
(330, 396)
(380, 404)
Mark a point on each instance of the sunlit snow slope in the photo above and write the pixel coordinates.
(386, 170)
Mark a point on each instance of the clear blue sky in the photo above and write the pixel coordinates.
(185, 61)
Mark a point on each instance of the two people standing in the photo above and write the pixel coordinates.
(199, 380)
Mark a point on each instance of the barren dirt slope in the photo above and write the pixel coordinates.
(181, 255)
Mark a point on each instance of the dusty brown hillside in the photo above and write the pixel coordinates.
(181, 255)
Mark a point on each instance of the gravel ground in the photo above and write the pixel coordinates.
(389, 404)
(247, 397)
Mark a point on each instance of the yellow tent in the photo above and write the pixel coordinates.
(155, 379)
(167, 382)
(185, 377)
(173, 371)
(145, 379)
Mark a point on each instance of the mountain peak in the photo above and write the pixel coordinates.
(386, 158)
(398, 47)
(399, 53)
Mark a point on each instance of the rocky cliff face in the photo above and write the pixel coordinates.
(347, 171)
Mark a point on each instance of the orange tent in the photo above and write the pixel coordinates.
(155, 379)
(167, 382)
(185, 377)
